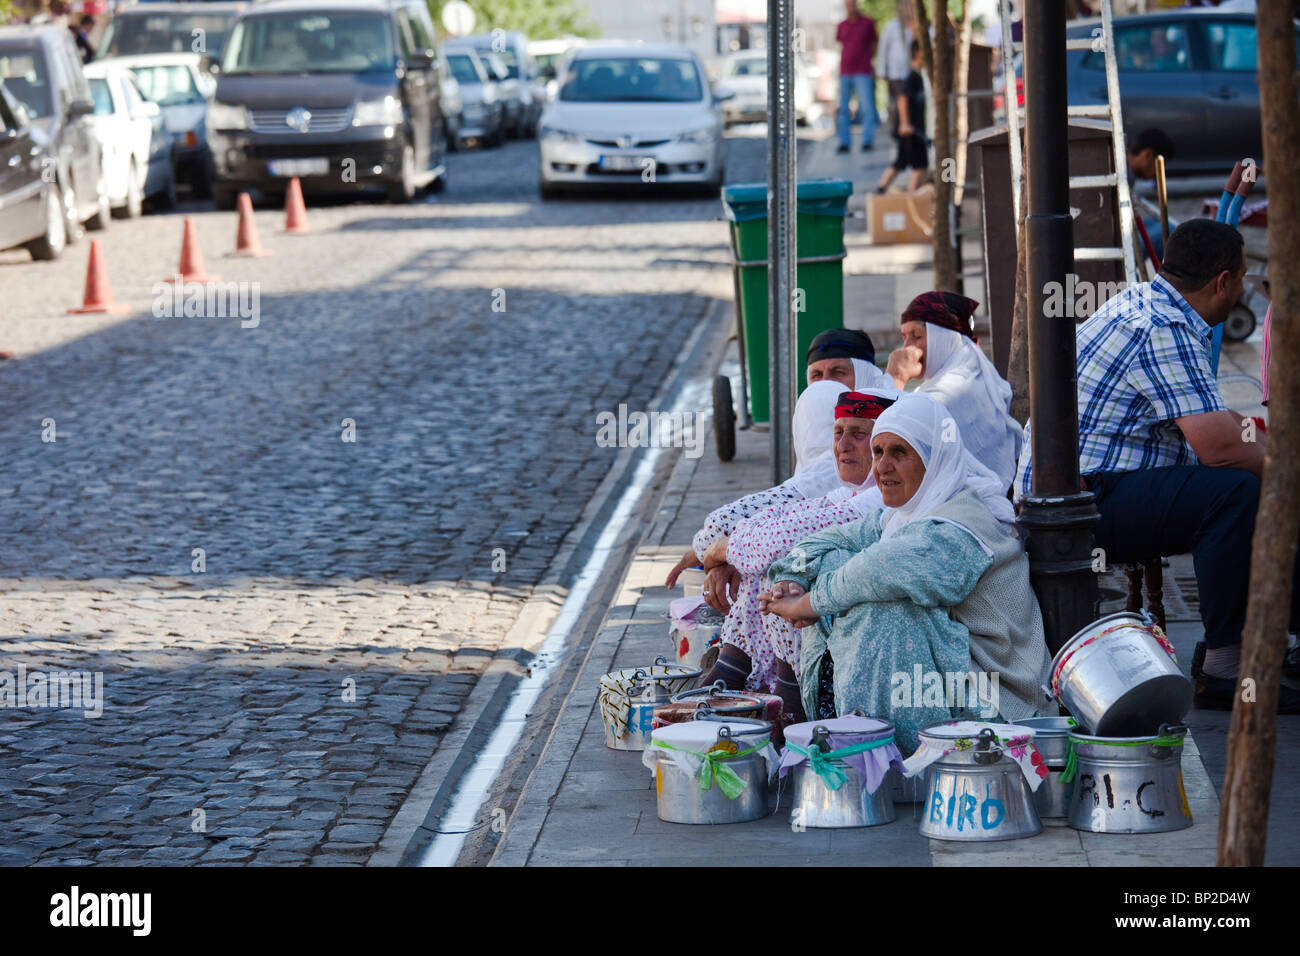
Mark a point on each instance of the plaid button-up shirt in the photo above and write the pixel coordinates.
(1143, 360)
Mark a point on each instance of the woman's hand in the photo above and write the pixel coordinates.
(905, 364)
(784, 600)
(689, 560)
(722, 587)
(716, 556)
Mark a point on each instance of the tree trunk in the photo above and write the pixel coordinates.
(1252, 737)
(961, 87)
(1018, 361)
(938, 56)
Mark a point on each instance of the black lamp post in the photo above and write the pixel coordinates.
(1057, 516)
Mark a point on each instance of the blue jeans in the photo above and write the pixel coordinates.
(1207, 511)
(865, 87)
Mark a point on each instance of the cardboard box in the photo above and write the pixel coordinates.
(897, 218)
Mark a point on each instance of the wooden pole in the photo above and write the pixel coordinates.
(961, 88)
(1252, 736)
(938, 56)
(1018, 361)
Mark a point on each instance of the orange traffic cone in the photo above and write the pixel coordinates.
(192, 268)
(295, 211)
(247, 242)
(99, 294)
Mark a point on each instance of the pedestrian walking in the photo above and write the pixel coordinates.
(857, 37)
(913, 148)
(81, 36)
(895, 55)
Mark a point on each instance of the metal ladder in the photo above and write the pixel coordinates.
(1117, 180)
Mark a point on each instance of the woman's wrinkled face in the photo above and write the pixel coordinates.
(898, 468)
(914, 335)
(853, 449)
(833, 370)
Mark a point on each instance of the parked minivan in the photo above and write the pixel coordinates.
(31, 213)
(343, 94)
(41, 69)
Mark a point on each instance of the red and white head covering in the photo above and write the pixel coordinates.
(816, 473)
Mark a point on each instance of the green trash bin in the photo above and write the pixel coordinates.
(820, 208)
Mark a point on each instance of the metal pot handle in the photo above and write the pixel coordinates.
(661, 660)
(821, 739)
(987, 748)
(1161, 751)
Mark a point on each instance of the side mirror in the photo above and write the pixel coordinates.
(723, 94)
(423, 60)
(79, 108)
(147, 109)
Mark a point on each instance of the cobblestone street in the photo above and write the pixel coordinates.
(272, 697)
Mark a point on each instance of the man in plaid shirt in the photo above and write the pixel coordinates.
(1173, 470)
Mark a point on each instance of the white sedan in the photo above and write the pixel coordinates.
(744, 74)
(136, 148)
(631, 114)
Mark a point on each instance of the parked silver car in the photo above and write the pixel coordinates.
(506, 52)
(631, 113)
(481, 116)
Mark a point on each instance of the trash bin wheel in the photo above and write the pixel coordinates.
(724, 419)
(1239, 325)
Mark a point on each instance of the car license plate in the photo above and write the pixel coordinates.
(626, 164)
(298, 167)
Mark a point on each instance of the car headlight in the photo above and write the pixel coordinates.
(489, 96)
(704, 136)
(385, 112)
(226, 116)
(559, 135)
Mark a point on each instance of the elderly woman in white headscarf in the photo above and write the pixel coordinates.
(940, 348)
(836, 357)
(931, 590)
(761, 653)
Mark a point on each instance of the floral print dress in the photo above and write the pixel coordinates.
(753, 545)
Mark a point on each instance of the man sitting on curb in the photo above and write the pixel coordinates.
(1172, 468)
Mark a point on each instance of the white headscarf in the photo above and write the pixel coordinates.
(813, 428)
(816, 473)
(929, 427)
(867, 377)
(959, 374)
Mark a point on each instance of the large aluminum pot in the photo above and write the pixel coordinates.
(1130, 784)
(1052, 738)
(680, 796)
(1118, 677)
(720, 701)
(629, 697)
(840, 797)
(977, 795)
(689, 644)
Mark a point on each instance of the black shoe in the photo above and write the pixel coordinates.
(1291, 663)
(841, 148)
(868, 147)
(1219, 693)
(1198, 659)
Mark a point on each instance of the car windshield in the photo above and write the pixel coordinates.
(167, 85)
(507, 57)
(462, 68)
(133, 34)
(313, 42)
(102, 97)
(624, 79)
(24, 76)
(748, 66)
